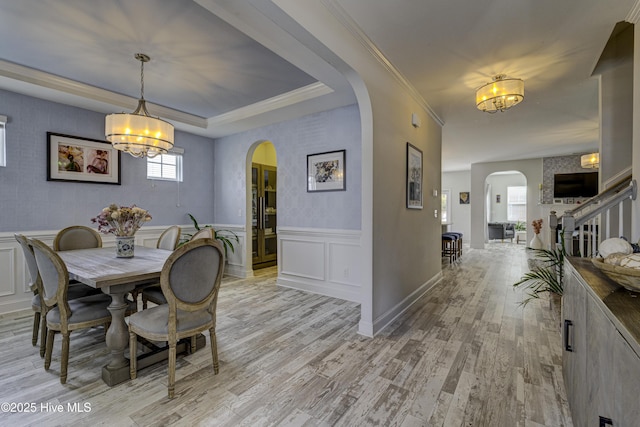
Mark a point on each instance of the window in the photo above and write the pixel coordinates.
(165, 166)
(3, 150)
(445, 208)
(517, 203)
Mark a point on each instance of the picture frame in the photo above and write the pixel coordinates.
(465, 198)
(414, 177)
(327, 171)
(72, 158)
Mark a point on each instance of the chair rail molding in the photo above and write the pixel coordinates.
(15, 294)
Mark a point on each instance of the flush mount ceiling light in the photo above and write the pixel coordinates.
(590, 161)
(138, 133)
(499, 95)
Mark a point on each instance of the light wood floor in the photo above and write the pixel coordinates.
(465, 355)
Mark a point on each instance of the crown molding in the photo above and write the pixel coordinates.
(634, 14)
(304, 93)
(51, 81)
(347, 21)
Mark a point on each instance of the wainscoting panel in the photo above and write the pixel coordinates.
(8, 266)
(325, 262)
(15, 294)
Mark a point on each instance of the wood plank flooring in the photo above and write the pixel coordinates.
(466, 355)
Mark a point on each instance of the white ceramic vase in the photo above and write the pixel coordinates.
(124, 246)
(536, 242)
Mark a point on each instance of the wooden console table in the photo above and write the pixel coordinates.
(601, 339)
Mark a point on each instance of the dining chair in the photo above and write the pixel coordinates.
(190, 280)
(204, 233)
(169, 238)
(77, 237)
(63, 314)
(154, 293)
(39, 317)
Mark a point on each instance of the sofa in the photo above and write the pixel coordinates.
(501, 230)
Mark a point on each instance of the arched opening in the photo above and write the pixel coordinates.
(262, 170)
(506, 207)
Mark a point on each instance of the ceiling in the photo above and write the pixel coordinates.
(209, 78)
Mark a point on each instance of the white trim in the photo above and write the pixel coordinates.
(396, 311)
(311, 91)
(350, 24)
(40, 78)
(321, 261)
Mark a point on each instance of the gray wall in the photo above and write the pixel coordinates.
(30, 202)
(460, 214)
(293, 140)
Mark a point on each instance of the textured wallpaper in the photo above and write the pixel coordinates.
(30, 202)
(293, 140)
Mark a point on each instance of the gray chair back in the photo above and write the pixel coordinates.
(54, 277)
(77, 237)
(169, 238)
(191, 276)
(30, 260)
(204, 233)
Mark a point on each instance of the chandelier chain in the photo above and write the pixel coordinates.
(141, 79)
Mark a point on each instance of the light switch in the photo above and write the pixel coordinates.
(435, 213)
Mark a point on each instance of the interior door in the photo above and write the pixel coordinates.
(264, 215)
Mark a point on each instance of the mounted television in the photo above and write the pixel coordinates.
(583, 184)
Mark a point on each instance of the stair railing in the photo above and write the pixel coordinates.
(587, 218)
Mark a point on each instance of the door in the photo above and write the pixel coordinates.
(264, 215)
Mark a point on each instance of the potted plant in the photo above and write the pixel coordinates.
(546, 274)
(226, 237)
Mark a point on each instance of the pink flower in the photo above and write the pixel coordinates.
(121, 220)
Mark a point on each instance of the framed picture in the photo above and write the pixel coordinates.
(464, 198)
(71, 158)
(414, 177)
(327, 171)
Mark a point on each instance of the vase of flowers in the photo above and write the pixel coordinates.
(123, 221)
(536, 242)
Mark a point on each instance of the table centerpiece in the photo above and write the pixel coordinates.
(123, 221)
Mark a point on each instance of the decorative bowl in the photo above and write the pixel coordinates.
(629, 278)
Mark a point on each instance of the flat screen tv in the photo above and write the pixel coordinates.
(584, 184)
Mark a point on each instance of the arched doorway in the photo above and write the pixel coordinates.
(506, 206)
(263, 202)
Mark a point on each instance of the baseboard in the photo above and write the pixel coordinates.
(392, 314)
(319, 289)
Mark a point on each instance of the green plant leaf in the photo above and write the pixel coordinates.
(545, 277)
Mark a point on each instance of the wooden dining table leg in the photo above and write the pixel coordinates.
(117, 337)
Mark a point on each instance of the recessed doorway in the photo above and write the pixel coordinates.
(264, 174)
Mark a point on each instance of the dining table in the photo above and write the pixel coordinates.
(102, 269)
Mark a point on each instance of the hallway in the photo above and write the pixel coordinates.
(466, 355)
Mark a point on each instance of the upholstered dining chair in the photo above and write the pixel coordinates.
(168, 240)
(64, 315)
(190, 280)
(77, 237)
(39, 308)
(204, 233)
(154, 293)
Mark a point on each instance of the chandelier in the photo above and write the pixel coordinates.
(502, 94)
(138, 133)
(590, 161)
